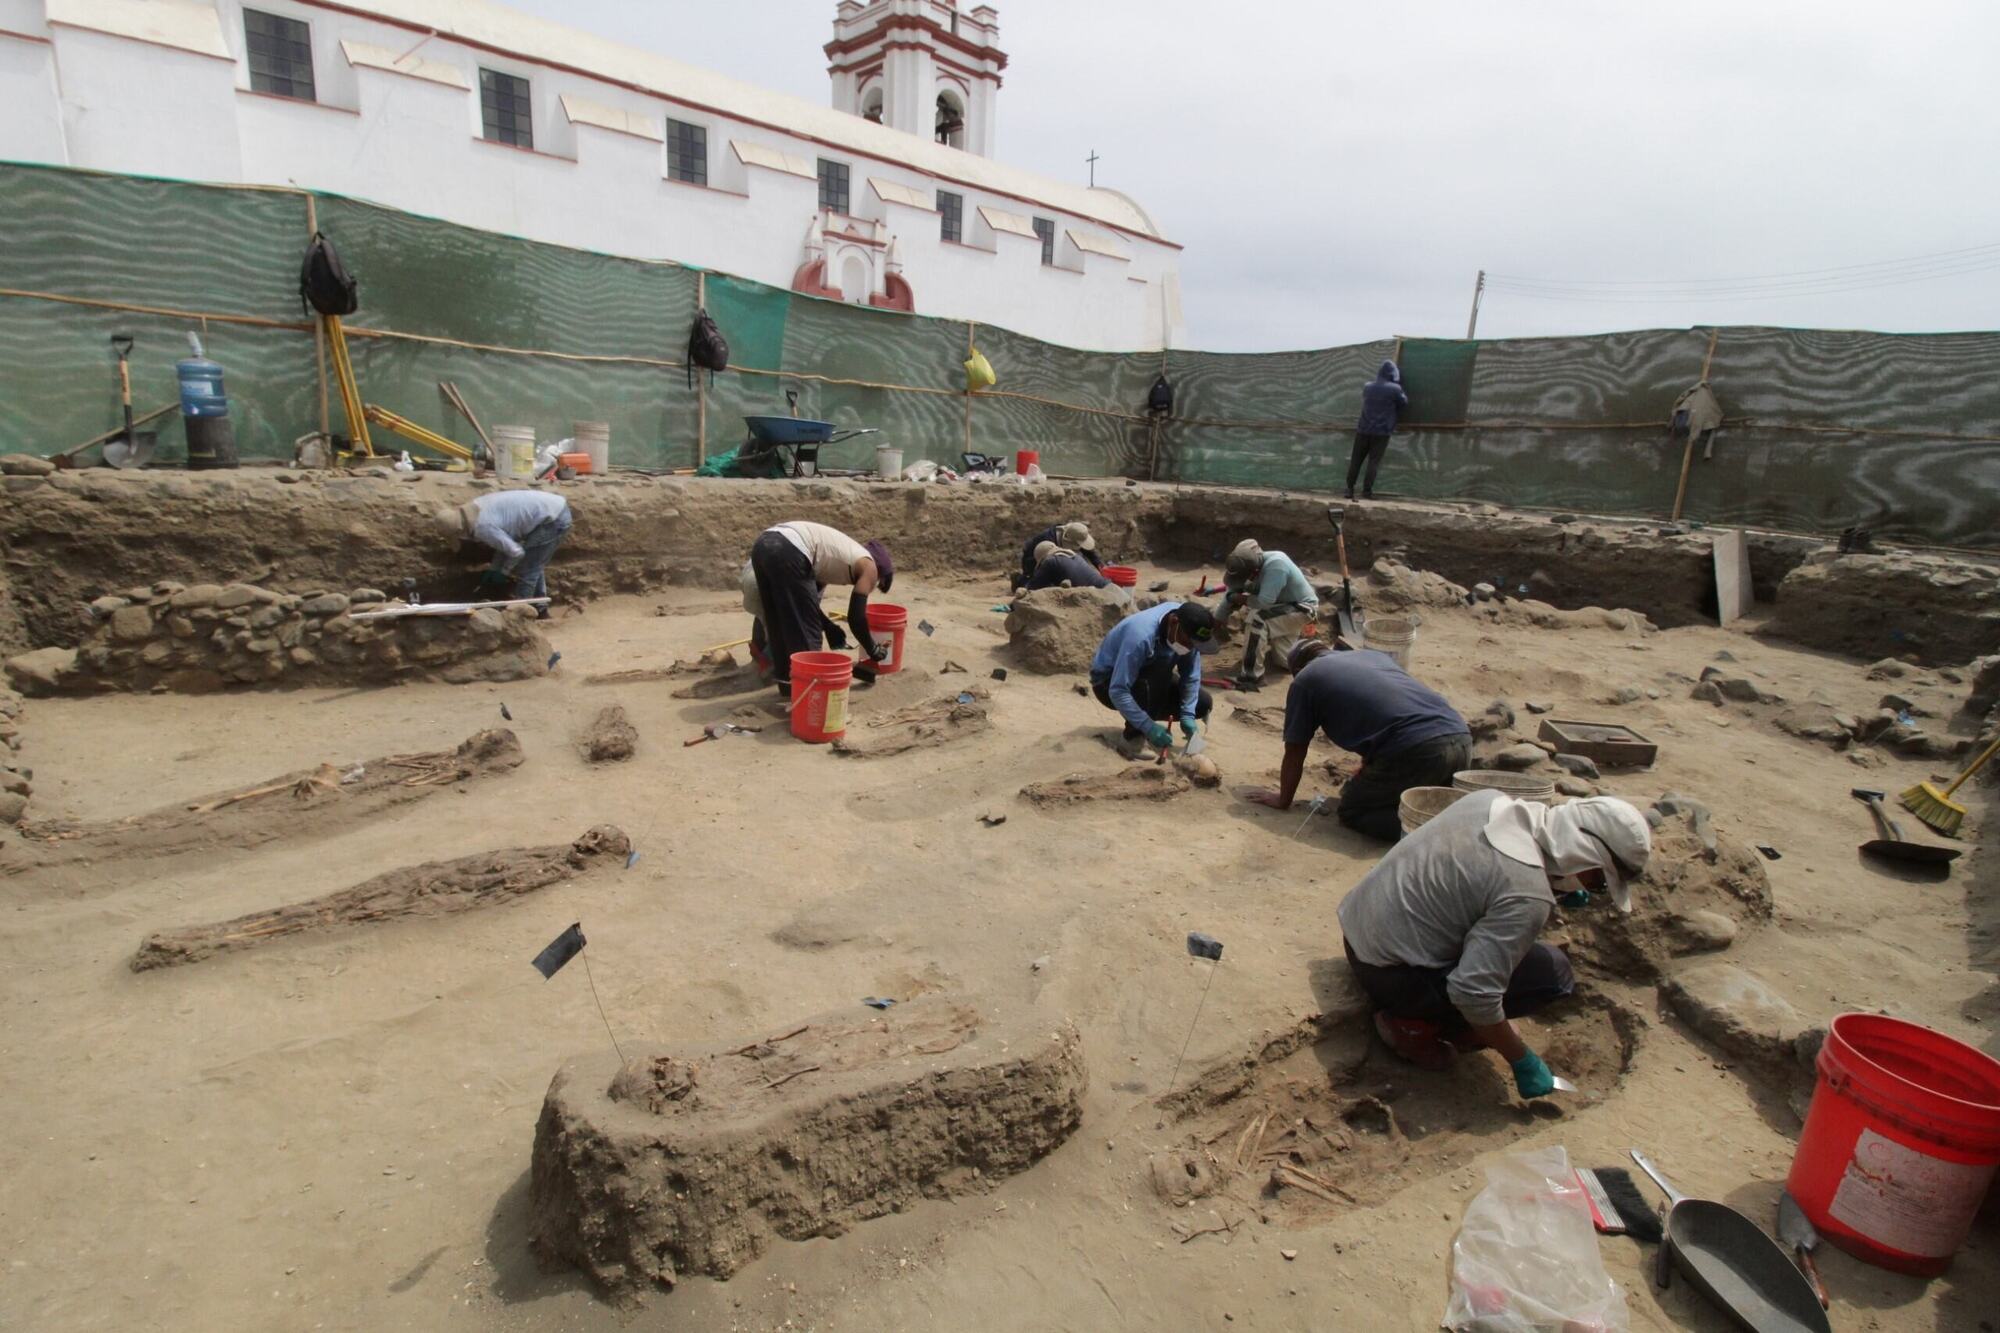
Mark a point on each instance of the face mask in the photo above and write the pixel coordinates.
(1180, 649)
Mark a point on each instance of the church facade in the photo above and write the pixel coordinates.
(465, 110)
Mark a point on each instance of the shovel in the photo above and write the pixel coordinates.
(1892, 845)
(128, 448)
(1350, 617)
(1796, 1231)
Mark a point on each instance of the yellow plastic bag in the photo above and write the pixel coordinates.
(979, 372)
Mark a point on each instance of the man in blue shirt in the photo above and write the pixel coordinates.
(523, 528)
(1281, 603)
(1406, 734)
(1149, 669)
(1383, 402)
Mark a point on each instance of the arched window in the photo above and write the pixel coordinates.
(950, 120)
(871, 104)
(854, 280)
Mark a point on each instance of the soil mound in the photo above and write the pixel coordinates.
(694, 1162)
(307, 803)
(1055, 631)
(610, 737)
(434, 889)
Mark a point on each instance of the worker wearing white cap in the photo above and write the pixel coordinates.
(1441, 933)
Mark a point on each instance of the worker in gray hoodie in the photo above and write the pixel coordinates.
(1383, 403)
(1441, 933)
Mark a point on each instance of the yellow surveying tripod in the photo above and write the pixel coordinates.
(359, 414)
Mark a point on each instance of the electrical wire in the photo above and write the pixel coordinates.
(1805, 282)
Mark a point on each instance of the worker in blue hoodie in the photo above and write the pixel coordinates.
(1149, 669)
(1382, 403)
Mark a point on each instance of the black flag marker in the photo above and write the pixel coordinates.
(561, 949)
(927, 628)
(1204, 946)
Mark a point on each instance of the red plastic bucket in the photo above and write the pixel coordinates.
(819, 695)
(1900, 1144)
(1123, 575)
(891, 622)
(1025, 459)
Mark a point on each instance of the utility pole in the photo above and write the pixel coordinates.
(1092, 160)
(1478, 290)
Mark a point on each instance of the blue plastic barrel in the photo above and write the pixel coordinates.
(201, 385)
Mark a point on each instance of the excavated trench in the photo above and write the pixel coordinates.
(75, 536)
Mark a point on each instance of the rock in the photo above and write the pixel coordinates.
(1739, 688)
(1706, 691)
(1708, 931)
(12, 806)
(1581, 765)
(200, 594)
(104, 607)
(1393, 586)
(1485, 592)
(1519, 758)
(1542, 587)
(1575, 787)
(1725, 656)
(1540, 706)
(43, 671)
(610, 737)
(1737, 1010)
(130, 624)
(1816, 722)
(366, 596)
(264, 617)
(1888, 669)
(1055, 631)
(1627, 694)
(697, 1162)
(13, 780)
(25, 465)
(157, 652)
(235, 595)
(325, 604)
(291, 477)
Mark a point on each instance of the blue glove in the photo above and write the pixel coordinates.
(1188, 727)
(1531, 1077)
(1160, 737)
(1575, 899)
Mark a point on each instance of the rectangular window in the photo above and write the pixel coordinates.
(1046, 229)
(951, 215)
(505, 110)
(280, 51)
(687, 152)
(833, 185)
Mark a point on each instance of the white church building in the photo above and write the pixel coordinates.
(471, 112)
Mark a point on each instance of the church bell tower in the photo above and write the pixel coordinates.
(921, 66)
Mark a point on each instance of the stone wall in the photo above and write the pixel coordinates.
(15, 777)
(211, 636)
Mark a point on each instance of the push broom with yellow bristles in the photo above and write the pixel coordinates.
(1935, 807)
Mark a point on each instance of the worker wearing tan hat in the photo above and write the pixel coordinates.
(523, 528)
(1070, 537)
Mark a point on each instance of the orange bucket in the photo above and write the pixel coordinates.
(892, 622)
(577, 463)
(819, 695)
(1125, 576)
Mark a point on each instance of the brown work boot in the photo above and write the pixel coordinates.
(1412, 1039)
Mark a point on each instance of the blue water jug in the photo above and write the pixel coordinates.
(201, 384)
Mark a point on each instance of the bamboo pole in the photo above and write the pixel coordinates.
(969, 327)
(319, 331)
(1687, 455)
(700, 389)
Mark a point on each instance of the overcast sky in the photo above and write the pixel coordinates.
(1341, 171)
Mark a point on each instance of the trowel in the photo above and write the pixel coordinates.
(1802, 1238)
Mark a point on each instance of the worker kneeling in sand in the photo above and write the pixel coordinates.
(523, 528)
(1405, 732)
(1149, 669)
(1441, 933)
(1281, 601)
(1056, 567)
(790, 564)
(1070, 537)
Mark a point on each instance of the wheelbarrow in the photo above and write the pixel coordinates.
(800, 436)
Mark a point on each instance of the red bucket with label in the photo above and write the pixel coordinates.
(1901, 1142)
(1125, 576)
(1025, 459)
(819, 695)
(888, 624)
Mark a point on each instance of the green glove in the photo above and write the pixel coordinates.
(1575, 899)
(1189, 726)
(1531, 1077)
(1160, 737)
(493, 578)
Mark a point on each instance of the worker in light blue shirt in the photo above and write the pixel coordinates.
(1281, 601)
(523, 528)
(1148, 669)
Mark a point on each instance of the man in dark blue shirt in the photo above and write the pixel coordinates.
(1382, 403)
(1405, 732)
(1055, 567)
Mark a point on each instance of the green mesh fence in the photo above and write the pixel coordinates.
(1900, 432)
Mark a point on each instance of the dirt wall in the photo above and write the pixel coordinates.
(72, 537)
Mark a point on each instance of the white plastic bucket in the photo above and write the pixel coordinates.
(514, 451)
(888, 462)
(1420, 805)
(1520, 786)
(1392, 635)
(594, 438)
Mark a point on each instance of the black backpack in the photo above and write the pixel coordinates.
(707, 349)
(324, 282)
(1160, 398)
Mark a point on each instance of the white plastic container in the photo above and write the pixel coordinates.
(594, 438)
(1392, 635)
(514, 452)
(888, 462)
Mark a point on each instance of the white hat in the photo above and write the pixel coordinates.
(1595, 833)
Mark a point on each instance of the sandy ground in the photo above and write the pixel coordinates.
(334, 1132)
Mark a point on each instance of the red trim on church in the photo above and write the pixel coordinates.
(898, 295)
(907, 23)
(811, 279)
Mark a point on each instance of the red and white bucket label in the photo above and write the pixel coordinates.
(1907, 1200)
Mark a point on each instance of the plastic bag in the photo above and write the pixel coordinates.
(978, 372)
(1526, 1259)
